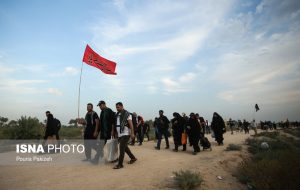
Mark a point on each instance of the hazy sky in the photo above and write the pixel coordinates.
(183, 56)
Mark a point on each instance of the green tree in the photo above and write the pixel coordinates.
(24, 128)
(73, 123)
(149, 122)
(3, 120)
(12, 123)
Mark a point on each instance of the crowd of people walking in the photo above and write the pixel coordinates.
(130, 129)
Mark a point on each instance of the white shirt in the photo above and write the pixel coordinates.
(126, 130)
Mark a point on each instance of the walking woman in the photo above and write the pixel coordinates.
(218, 126)
(178, 123)
(194, 130)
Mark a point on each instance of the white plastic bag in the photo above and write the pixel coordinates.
(111, 150)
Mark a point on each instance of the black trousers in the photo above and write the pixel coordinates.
(48, 135)
(89, 143)
(184, 146)
(57, 137)
(140, 134)
(196, 148)
(133, 140)
(195, 144)
(164, 133)
(123, 147)
(147, 135)
(99, 149)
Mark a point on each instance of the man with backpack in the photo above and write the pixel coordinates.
(55, 127)
(124, 129)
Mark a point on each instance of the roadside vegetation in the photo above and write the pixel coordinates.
(274, 162)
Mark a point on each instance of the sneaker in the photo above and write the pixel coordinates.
(157, 148)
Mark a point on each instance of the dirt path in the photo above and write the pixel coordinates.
(153, 170)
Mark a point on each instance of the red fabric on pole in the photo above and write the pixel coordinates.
(92, 58)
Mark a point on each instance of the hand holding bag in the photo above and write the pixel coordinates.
(111, 150)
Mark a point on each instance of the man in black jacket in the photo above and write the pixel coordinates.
(163, 129)
(91, 123)
(107, 119)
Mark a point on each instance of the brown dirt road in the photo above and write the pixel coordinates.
(153, 170)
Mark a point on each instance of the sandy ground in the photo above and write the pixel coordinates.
(153, 170)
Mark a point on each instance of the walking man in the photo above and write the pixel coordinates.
(107, 119)
(124, 130)
(91, 123)
(55, 127)
(163, 129)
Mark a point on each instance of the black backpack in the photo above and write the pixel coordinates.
(57, 124)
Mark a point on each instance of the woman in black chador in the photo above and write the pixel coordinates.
(194, 130)
(218, 126)
(178, 124)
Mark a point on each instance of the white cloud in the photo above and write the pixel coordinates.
(260, 7)
(54, 91)
(184, 83)
(20, 86)
(120, 4)
(68, 71)
(168, 37)
(6, 70)
(187, 77)
(71, 71)
(271, 76)
(201, 68)
(172, 86)
(31, 68)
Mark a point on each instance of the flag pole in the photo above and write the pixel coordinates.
(79, 89)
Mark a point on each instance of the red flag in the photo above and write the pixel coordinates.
(92, 58)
